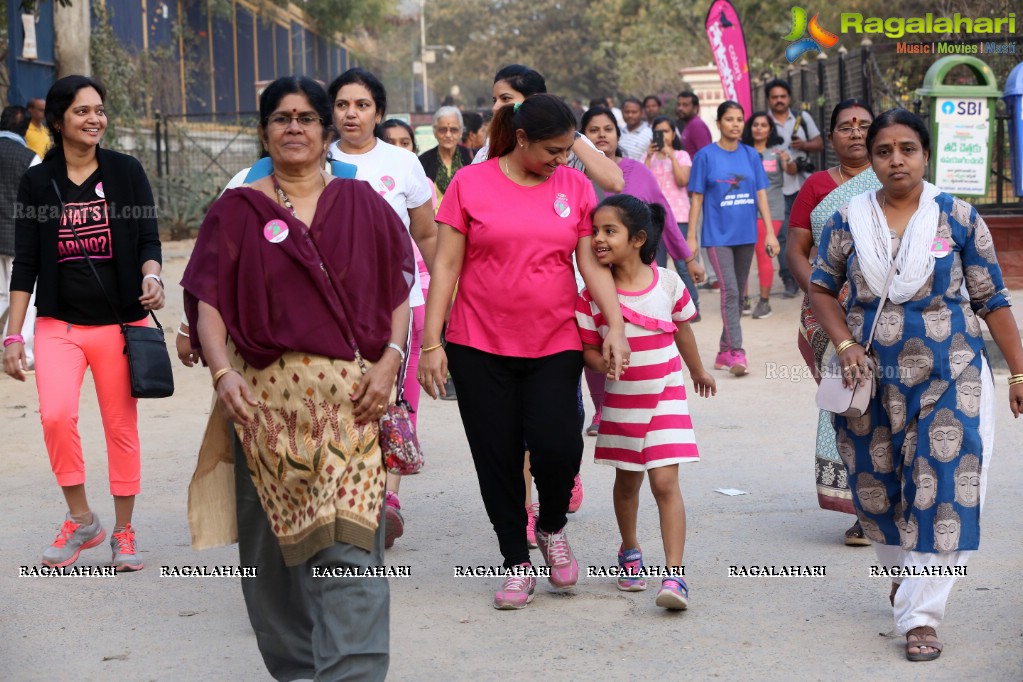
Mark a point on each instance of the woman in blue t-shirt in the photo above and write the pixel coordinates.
(727, 186)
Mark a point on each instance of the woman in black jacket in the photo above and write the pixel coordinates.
(85, 198)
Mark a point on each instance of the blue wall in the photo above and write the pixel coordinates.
(30, 79)
(257, 59)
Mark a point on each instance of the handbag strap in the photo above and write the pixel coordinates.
(880, 305)
(345, 320)
(85, 254)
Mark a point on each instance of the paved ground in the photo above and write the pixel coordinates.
(756, 436)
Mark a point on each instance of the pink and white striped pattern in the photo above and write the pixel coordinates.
(645, 419)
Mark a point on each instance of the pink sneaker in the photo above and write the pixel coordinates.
(723, 360)
(517, 590)
(558, 555)
(394, 522)
(532, 512)
(739, 364)
(576, 500)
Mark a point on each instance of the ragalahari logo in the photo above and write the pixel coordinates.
(819, 38)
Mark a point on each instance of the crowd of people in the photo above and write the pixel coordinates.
(410, 274)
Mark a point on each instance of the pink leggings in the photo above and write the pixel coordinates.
(765, 268)
(412, 387)
(63, 351)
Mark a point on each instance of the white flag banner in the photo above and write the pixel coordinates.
(28, 46)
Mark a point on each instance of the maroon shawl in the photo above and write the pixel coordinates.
(275, 298)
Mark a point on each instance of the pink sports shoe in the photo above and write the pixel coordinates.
(394, 522)
(576, 500)
(723, 360)
(532, 512)
(558, 555)
(517, 590)
(739, 364)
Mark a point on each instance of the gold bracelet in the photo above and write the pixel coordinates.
(1015, 378)
(848, 343)
(427, 350)
(220, 374)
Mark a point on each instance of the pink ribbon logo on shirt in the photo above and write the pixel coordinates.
(388, 182)
(561, 206)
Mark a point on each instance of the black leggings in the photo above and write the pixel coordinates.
(503, 402)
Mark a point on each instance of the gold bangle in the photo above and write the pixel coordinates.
(1015, 377)
(220, 374)
(427, 350)
(848, 343)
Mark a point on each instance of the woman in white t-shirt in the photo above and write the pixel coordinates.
(359, 103)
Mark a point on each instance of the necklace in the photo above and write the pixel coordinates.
(841, 174)
(507, 171)
(282, 197)
(505, 167)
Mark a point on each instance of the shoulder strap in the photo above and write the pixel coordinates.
(85, 254)
(880, 305)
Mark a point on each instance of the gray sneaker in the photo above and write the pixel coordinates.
(72, 538)
(125, 554)
(762, 310)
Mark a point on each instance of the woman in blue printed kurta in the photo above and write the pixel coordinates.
(917, 460)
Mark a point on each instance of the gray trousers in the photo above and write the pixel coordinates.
(325, 629)
(732, 264)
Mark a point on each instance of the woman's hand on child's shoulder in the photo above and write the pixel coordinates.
(704, 384)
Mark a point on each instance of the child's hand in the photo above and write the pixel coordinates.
(704, 384)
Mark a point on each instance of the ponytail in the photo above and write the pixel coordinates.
(540, 117)
(654, 231)
(502, 131)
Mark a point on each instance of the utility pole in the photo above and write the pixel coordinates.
(422, 53)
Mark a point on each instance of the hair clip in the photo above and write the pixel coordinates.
(515, 107)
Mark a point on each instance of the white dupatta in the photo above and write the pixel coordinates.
(914, 262)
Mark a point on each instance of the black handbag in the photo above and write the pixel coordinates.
(149, 365)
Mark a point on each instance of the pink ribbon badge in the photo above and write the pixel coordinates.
(275, 231)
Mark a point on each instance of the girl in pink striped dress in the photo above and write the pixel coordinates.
(645, 426)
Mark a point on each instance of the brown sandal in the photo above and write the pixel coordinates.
(925, 638)
(854, 537)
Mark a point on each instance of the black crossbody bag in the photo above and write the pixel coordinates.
(149, 364)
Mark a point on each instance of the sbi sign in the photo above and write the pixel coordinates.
(962, 108)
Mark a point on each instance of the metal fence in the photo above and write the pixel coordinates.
(885, 79)
(193, 157)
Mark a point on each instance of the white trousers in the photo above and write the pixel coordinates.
(921, 600)
(29, 328)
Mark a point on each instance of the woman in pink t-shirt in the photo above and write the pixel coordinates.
(508, 229)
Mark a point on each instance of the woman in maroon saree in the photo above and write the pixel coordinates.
(291, 280)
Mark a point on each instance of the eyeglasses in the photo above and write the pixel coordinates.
(447, 131)
(846, 131)
(284, 121)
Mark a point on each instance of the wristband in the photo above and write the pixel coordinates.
(156, 277)
(13, 338)
(691, 259)
(220, 374)
(427, 350)
(396, 347)
(848, 343)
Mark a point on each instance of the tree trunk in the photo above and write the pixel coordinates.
(71, 38)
